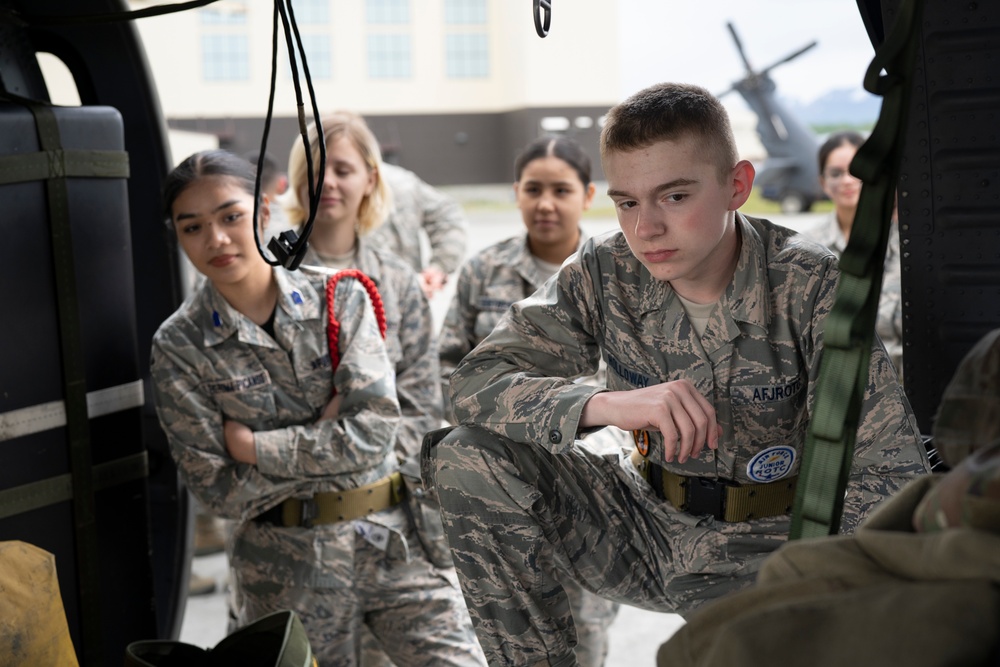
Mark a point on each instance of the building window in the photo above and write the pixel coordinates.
(388, 11)
(225, 58)
(467, 55)
(319, 55)
(465, 12)
(312, 12)
(229, 12)
(389, 56)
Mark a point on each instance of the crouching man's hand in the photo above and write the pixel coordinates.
(685, 418)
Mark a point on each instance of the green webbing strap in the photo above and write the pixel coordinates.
(58, 489)
(75, 389)
(43, 165)
(850, 326)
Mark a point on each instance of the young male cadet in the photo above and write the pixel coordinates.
(711, 324)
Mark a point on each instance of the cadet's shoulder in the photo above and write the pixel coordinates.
(182, 328)
(786, 249)
(500, 253)
(608, 251)
(310, 280)
(397, 177)
(391, 263)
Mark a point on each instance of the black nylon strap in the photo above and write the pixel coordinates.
(42, 165)
(849, 329)
(75, 389)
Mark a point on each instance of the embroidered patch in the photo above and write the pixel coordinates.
(492, 305)
(238, 384)
(771, 464)
(641, 439)
(633, 377)
(781, 390)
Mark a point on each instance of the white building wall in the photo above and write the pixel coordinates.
(576, 65)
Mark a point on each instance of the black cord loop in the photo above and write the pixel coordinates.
(543, 17)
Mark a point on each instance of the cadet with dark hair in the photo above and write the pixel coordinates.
(844, 190)
(265, 431)
(711, 324)
(552, 189)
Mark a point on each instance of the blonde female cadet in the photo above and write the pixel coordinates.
(353, 202)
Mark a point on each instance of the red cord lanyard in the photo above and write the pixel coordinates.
(333, 329)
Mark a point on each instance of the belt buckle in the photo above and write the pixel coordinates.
(706, 496)
(308, 510)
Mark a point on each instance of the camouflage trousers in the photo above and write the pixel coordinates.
(516, 514)
(346, 576)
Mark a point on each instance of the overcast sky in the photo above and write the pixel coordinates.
(687, 41)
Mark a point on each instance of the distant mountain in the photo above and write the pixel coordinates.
(844, 106)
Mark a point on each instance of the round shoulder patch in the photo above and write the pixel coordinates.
(771, 464)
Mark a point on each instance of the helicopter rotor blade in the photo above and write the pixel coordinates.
(789, 57)
(739, 47)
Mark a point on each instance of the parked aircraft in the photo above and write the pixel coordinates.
(790, 174)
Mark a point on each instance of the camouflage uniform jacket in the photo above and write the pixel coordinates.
(488, 284)
(418, 209)
(210, 363)
(757, 361)
(889, 322)
(412, 346)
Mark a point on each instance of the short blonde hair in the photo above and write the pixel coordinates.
(374, 207)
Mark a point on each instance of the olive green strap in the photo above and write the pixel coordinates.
(27, 497)
(42, 165)
(849, 329)
(75, 392)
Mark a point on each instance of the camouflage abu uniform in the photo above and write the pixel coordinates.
(410, 342)
(412, 348)
(518, 496)
(210, 363)
(419, 208)
(889, 323)
(488, 284)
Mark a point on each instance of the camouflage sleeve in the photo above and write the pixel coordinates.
(417, 373)
(518, 381)
(888, 450)
(444, 222)
(193, 425)
(458, 332)
(369, 413)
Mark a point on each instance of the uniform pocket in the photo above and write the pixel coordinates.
(425, 511)
(771, 417)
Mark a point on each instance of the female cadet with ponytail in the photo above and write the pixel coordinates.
(353, 202)
(553, 189)
(265, 431)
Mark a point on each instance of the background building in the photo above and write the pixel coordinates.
(452, 88)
